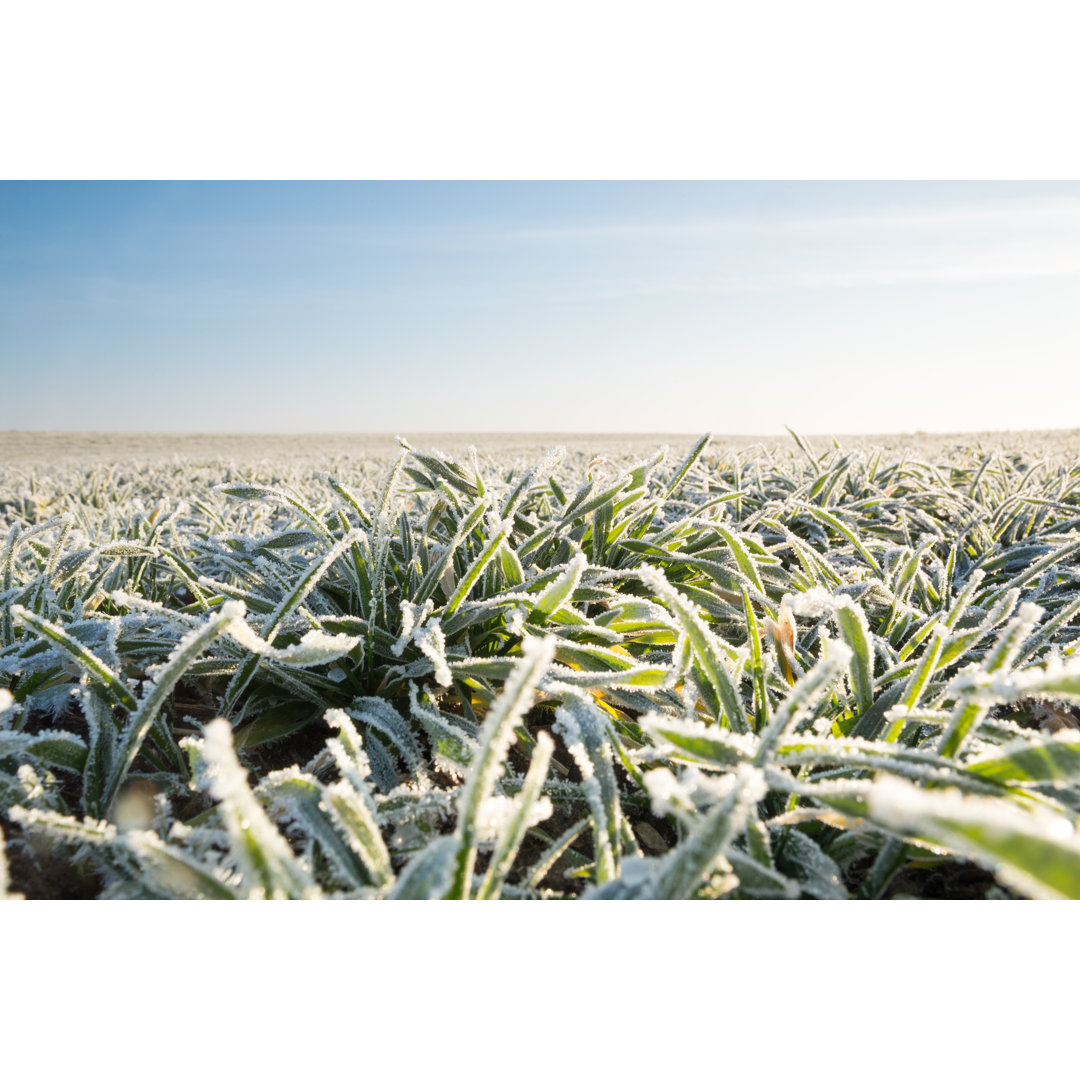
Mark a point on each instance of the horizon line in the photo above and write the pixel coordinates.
(695, 433)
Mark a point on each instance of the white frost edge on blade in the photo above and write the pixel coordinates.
(900, 805)
(315, 647)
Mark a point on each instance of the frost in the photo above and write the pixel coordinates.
(728, 746)
(269, 866)
(1057, 678)
(347, 750)
(1029, 614)
(667, 795)
(813, 603)
(316, 647)
(380, 715)
(496, 813)
(752, 784)
(962, 818)
(515, 619)
(412, 616)
(432, 643)
(427, 635)
(31, 784)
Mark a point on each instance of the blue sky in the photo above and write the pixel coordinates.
(636, 307)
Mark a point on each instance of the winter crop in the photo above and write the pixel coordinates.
(748, 674)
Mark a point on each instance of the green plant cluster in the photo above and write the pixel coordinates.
(753, 674)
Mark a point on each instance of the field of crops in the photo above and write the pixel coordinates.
(741, 671)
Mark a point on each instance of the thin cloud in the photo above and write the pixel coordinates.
(955, 274)
(1055, 213)
(973, 272)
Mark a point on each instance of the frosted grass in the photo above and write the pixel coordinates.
(719, 672)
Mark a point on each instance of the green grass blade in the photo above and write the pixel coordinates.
(553, 852)
(495, 738)
(559, 591)
(802, 698)
(479, 564)
(856, 633)
(1043, 760)
(269, 867)
(585, 733)
(695, 452)
(682, 872)
(96, 668)
(742, 557)
(187, 651)
(712, 654)
(757, 664)
(1037, 853)
(173, 872)
(509, 842)
(917, 681)
(430, 873)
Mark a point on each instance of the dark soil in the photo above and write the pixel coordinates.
(948, 881)
(46, 875)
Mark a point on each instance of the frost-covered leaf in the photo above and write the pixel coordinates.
(269, 867)
(59, 749)
(558, 591)
(313, 649)
(798, 856)
(585, 732)
(694, 740)
(185, 653)
(679, 874)
(430, 873)
(495, 738)
(856, 633)
(174, 873)
(528, 809)
(1035, 851)
(1032, 761)
(93, 665)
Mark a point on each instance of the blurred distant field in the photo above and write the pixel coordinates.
(38, 447)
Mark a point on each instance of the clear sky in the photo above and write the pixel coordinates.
(633, 307)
